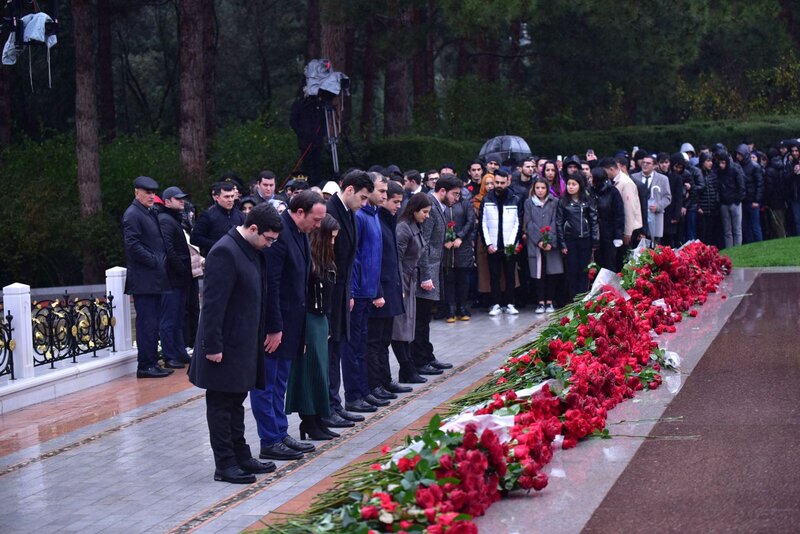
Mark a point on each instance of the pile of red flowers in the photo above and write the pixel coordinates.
(600, 353)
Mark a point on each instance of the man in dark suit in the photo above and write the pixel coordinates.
(446, 192)
(147, 273)
(228, 358)
(218, 219)
(288, 266)
(355, 189)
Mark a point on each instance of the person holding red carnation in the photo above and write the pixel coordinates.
(544, 257)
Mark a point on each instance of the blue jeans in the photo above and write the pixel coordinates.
(795, 205)
(691, 225)
(268, 403)
(751, 224)
(173, 309)
(147, 308)
(354, 361)
(731, 217)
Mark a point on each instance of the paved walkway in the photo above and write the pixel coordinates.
(133, 455)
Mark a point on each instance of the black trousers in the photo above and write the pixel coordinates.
(225, 416)
(192, 315)
(421, 347)
(456, 287)
(499, 263)
(606, 255)
(379, 337)
(334, 373)
(402, 352)
(579, 254)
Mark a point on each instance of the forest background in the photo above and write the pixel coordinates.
(185, 90)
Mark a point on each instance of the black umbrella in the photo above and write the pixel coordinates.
(505, 147)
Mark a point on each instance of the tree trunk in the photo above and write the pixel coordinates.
(464, 61)
(395, 88)
(193, 138)
(5, 106)
(488, 64)
(87, 145)
(422, 78)
(515, 72)
(210, 34)
(105, 73)
(313, 29)
(337, 45)
(370, 72)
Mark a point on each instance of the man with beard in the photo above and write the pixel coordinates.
(499, 215)
(445, 193)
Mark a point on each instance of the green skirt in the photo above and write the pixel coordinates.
(307, 391)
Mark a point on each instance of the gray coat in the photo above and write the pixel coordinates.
(661, 195)
(410, 247)
(534, 219)
(430, 264)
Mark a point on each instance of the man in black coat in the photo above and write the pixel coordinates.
(381, 320)
(179, 271)
(147, 273)
(218, 219)
(355, 189)
(288, 267)
(228, 359)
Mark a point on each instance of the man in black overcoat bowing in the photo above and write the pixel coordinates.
(288, 266)
(228, 357)
(355, 189)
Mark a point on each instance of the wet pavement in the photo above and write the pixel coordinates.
(133, 455)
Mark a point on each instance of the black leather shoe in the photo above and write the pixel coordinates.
(168, 371)
(335, 420)
(173, 364)
(376, 401)
(301, 446)
(279, 451)
(440, 365)
(151, 372)
(428, 369)
(412, 378)
(381, 393)
(251, 465)
(360, 406)
(394, 387)
(234, 475)
(349, 416)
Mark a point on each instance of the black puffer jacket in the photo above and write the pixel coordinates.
(774, 184)
(576, 220)
(610, 211)
(729, 181)
(753, 176)
(709, 198)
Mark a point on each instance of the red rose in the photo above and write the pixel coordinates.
(369, 512)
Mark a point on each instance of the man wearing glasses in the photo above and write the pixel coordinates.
(147, 273)
(228, 359)
(430, 180)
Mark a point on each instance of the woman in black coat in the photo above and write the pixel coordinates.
(610, 217)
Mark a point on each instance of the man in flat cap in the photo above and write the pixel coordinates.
(147, 273)
(179, 273)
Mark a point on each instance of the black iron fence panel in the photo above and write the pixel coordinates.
(66, 328)
(7, 346)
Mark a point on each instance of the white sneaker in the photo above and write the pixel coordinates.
(550, 308)
(540, 308)
(495, 310)
(511, 310)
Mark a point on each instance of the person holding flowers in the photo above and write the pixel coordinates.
(544, 257)
(578, 233)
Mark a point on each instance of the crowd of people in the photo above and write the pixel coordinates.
(306, 289)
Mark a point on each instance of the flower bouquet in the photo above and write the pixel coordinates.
(513, 250)
(547, 239)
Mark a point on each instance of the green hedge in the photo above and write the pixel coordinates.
(42, 229)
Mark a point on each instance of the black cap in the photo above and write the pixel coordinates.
(173, 192)
(145, 182)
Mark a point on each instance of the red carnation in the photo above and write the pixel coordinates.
(369, 512)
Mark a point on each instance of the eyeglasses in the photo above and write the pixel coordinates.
(269, 240)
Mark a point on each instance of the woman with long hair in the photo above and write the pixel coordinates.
(307, 392)
(481, 284)
(410, 246)
(553, 176)
(578, 233)
(544, 258)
